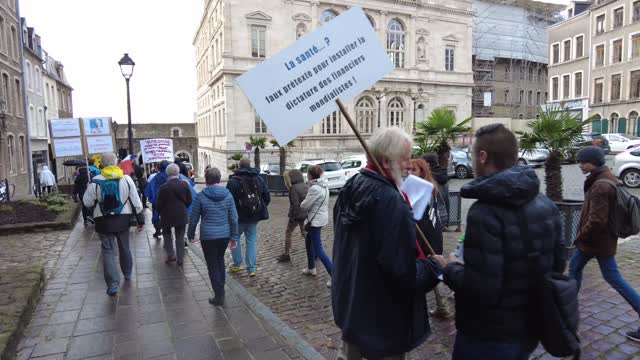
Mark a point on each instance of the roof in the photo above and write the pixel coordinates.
(55, 69)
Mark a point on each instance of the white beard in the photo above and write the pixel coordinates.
(397, 172)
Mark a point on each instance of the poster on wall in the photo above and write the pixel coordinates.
(156, 150)
(66, 147)
(97, 126)
(64, 127)
(99, 144)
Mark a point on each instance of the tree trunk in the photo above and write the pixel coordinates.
(256, 158)
(283, 159)
(553, 176)
(443, 158)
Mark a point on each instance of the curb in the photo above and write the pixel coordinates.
(19, 228)
(293, 338)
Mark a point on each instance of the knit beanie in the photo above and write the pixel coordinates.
(591, 154)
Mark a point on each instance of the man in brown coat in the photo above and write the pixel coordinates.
(595, 237)
(174, 198)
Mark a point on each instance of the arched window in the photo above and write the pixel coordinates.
(373, 23)
(613, 121)
(395, 42)
(184, 156)
(365, 115)
(23, 153)
(633, 123)
(11, 144)
(29, 76)
(301, 29)
(327, 16)
(395, 113)
(332, 124)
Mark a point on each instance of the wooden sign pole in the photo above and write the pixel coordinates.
(423, 239)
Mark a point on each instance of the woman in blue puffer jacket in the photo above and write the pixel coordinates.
(215, 206)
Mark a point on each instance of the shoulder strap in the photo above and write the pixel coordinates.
(322, 203)
(607, 181)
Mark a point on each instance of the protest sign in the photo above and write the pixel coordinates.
(65, 147)
(97, 126)
(156, 150)
(99, 144)
(64, 128)
(298, 86)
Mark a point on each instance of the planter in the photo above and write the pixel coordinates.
(570, 211)
(276, 184)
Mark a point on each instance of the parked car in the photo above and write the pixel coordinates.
(620, 142)
(535, 158)
(352, 164)
(333, 173)
(626, 166)
(460, 164)
(594, 139)
(272, 169)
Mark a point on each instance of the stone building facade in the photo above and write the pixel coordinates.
(429, 43)
(185, 141)
(13, 125)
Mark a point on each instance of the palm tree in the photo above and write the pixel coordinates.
(283, 153)
(257, 143)
(556, 130)
(437, 131)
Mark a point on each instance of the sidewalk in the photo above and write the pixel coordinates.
(162, 313)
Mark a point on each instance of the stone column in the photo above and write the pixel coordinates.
(315, 17)
(382, 26)
(410, 43)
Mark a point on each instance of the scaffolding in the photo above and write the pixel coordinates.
(510, 35)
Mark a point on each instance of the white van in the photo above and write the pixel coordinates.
(352, 164)
(333, 173)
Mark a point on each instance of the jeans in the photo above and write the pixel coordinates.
(315, 249)
(291, 226)
(470, 348)
(214, 256)
(349, 351)
(111, 275)
(250, 231)
(168, 242)
(609, 269)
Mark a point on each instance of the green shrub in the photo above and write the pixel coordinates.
(6, 208)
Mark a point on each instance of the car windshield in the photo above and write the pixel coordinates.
(330, 166)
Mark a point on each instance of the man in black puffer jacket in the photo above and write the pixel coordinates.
(492, 286)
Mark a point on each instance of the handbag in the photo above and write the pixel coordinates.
(307, 226)
(554, 304)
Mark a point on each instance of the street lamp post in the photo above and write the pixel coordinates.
(126, 67)
(379, 95)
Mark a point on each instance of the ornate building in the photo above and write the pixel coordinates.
(429, 43)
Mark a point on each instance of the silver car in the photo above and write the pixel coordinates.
(535, 158)
(626, 167)
(460, 163)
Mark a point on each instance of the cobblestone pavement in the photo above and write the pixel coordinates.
(304, 302)
(162, 313)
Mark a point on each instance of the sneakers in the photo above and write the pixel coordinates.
(284, 258)
(157, 235)
(634, 335)
(112, 291)
(252, 273)
(216, 301)
(329, 284)
(91, 220)
(235, 268)
(310, 272)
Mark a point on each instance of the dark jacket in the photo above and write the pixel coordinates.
(594, 233)
(297, 193)
(431, 226)
(235, 185)
(378, 286)
(492, 287)
(215, 206)
(173, 200)
(140, 178)
(81, 182)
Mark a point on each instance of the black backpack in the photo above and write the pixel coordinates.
(554, 311)
(625, 217)
(249, 200)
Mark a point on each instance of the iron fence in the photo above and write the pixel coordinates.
(455, 209)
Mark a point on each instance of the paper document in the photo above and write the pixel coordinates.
(419, 192)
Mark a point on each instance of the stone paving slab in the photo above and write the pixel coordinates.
(162, 313)
(304, 303)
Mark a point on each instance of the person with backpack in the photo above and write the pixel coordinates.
(115, 199)
(493, 283)
(252, 199)
(596, 237)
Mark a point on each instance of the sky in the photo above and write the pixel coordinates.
(90, 36)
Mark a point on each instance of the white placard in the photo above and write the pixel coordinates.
(156, 150)
(64, 127)
(298, 86)
(97, 126)
(99, 144)
(67, 147)
(419, 192)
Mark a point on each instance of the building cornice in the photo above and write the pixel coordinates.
(416, 3)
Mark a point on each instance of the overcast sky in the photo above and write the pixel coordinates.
(89, 37)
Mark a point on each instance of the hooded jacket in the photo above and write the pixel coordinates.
(46, 177)
(297, 193)
(81, 182)
(235, 184)
(492, 287)
(215, 207)
(128, 196)
(316, 203)
(594, 233)
(378, 286)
